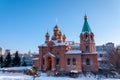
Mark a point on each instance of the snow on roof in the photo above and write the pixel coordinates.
(74, 71)
(101, 59)
(73, 52)
(90, 53)
(102, 52)
(49, 54)
(35, 59)
(57, 43)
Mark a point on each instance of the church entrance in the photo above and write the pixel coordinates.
(49, 63)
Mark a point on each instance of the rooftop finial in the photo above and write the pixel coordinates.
(85, 17)
(86, 27)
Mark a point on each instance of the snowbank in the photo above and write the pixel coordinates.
(16, 68)
(21, 76)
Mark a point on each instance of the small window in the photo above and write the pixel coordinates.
(101, 55)
(43, 61)
(87, 61)
(57, 61)
(68, 61)
(74, 61)
(86, 36)
(91, 37)
(87, 48)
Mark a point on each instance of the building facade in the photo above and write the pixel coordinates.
(1, 51)
(7, 51)
(103, 51)
(56, 54)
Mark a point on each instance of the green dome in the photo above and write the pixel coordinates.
(86, 27)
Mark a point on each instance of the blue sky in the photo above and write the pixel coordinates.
(23, 23)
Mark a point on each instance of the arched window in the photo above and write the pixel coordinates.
(87, 61)
(91, 37)
(87, 49)
(68, 61)
(74, 61)
(86, 36)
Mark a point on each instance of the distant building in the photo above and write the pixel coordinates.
(58, 54)
(75, 46)
(1, 51)
(27, 57)
(7, 51)
(103, 50)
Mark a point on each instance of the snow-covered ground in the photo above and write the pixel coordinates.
(16, 68)
(21, 76)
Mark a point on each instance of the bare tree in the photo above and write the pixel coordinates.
(113, 58)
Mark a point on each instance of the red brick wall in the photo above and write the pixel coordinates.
(62, 58)
(94, 60)
(78, 66)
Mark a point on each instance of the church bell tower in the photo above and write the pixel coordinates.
(87, 43)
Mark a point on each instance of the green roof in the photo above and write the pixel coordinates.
(86, 27)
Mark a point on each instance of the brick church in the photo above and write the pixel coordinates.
(56, 54)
